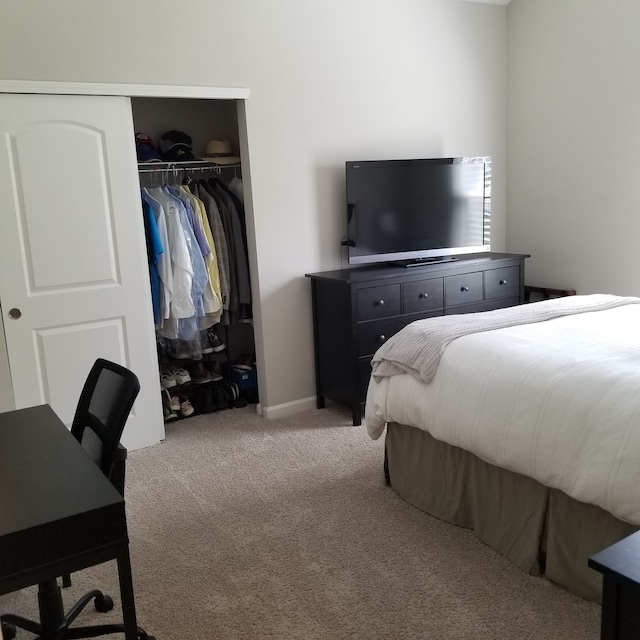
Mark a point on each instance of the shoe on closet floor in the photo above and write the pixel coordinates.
(214, 341)
(199, 373)
(168, 380)
(246, 362)
(170, 405)
(181, 375)
(169, 416)
(215, 370)
(205, 343)
(240, 402)
(173, 402)
(180, 350)
(186, 408)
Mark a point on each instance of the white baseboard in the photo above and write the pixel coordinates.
(287, 408)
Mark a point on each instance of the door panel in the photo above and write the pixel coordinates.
(73, 259)
(67, 194)
(53, 346)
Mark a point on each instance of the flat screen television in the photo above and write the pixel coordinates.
(416, 211)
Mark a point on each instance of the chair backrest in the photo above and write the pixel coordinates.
(105, 402)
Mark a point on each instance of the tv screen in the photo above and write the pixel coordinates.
(417, 210)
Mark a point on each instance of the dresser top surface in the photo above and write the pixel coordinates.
(389, 270)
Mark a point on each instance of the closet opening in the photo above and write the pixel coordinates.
(192, 194)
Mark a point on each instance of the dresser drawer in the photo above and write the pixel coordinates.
(463, 289)
(502, 283)
(372, 335)
(423, 295)
(378, 302)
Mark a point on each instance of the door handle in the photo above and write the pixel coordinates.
(14, 313)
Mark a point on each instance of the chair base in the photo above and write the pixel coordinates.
(9, 630)
(56, 625)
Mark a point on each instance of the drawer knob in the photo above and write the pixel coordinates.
(382, 337)
(380, 303)
(503, 282)
(464, 288)
(424, 295)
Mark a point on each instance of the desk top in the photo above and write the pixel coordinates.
(56, 506)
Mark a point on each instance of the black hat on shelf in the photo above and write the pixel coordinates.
(176, 147)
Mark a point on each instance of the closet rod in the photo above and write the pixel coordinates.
(207, 167)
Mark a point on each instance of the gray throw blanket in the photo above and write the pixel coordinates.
(417, 348)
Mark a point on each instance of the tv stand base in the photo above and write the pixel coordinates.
(420, 262)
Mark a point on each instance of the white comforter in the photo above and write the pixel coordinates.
(558, 401)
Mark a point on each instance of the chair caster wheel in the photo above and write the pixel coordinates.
(103, 604)
(8, 631)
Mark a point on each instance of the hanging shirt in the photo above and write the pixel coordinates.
(219, 240)
(212, 298)
(164, 260)
(182, 305)
(225, 216)
(235, 186)
(239, 245)
(154, 250)
(188, 328)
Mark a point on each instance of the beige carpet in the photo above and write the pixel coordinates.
(245, 528)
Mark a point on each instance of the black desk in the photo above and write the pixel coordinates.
(58, 512)
(620, 568)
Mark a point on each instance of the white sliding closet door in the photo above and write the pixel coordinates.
(74, 281)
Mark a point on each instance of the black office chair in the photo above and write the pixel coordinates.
(105, 402)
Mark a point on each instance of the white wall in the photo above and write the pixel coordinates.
(573, 198)
(330, 81)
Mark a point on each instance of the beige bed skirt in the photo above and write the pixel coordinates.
(543, 531)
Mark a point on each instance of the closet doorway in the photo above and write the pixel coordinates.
(220, 373)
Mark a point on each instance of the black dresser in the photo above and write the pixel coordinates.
(355, 310)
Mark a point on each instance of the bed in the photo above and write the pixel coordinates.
(522, 424)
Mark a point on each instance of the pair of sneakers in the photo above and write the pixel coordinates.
(203, 372)
(175, 377)
(174, 406)
(211, 342)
